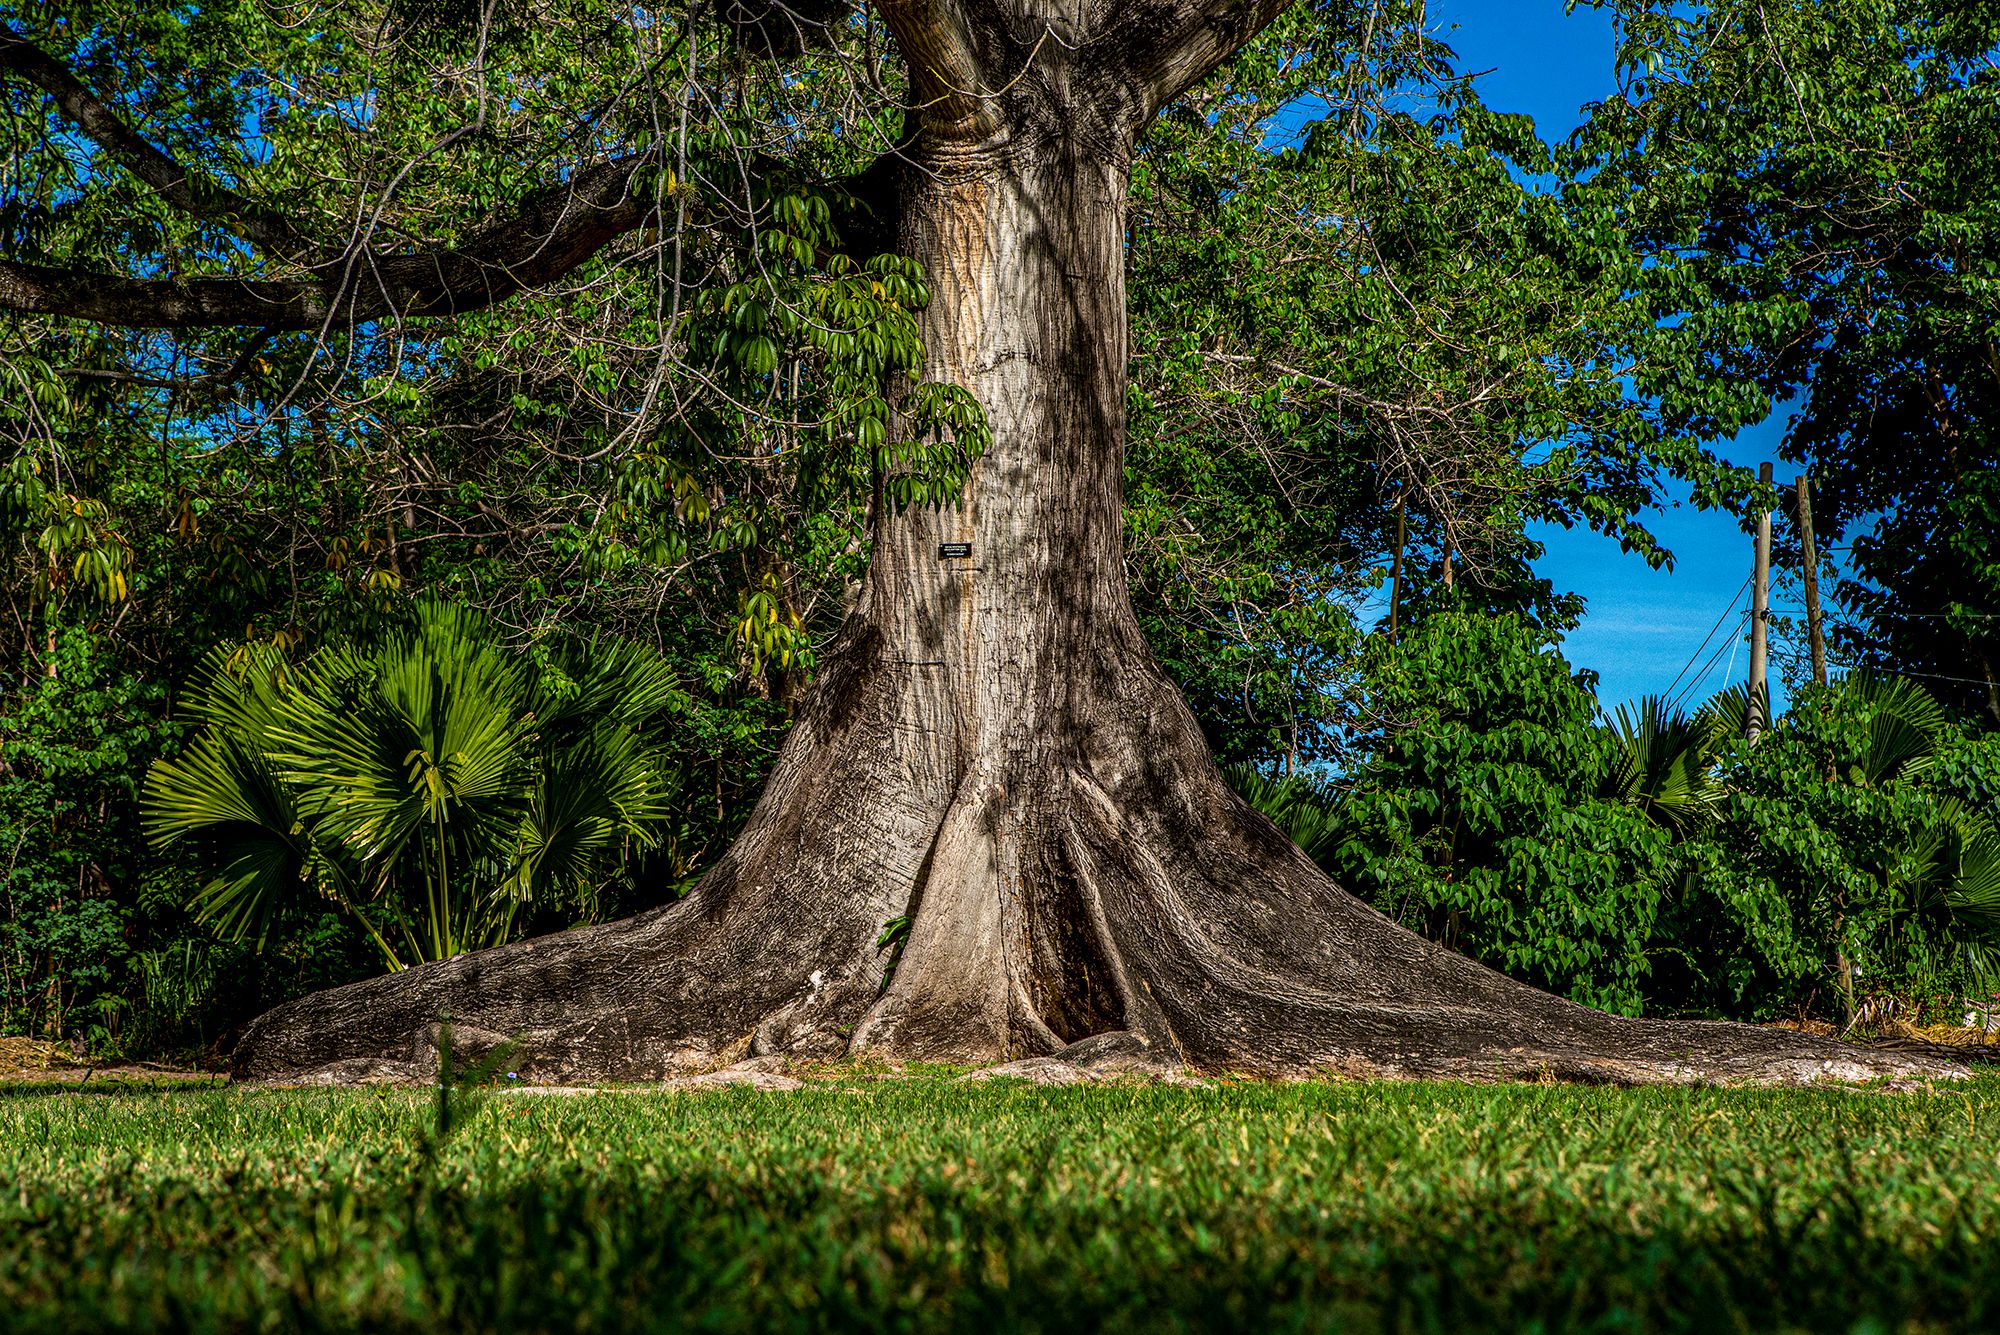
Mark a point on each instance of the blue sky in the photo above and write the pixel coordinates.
(1642, 625)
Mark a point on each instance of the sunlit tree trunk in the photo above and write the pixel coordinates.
(990, 752)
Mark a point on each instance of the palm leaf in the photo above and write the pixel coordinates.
(1662, 764)
(238, 691)
(608, 678)
(1974, 899)
(1726, 714)
(232, 806)
(1307, 812)
(429, 730)
(607, 787)
(1975, 891)
(1905, 730)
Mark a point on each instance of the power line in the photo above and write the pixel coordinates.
(1727, 609)
(1901, 616)
(1733, 643)
(1928, 676)
(1939, 676)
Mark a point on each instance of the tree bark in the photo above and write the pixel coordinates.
(993, 752)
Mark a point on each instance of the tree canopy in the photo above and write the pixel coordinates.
(1814, 191)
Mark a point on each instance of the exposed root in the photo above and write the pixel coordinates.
(1116, 912)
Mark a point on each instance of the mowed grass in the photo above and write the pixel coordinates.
(929, 1205)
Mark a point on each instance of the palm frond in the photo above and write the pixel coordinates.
(1726, 714)
(1905, 730)
(608, 678)
(1974, 896)
(231, 805)
(237, 691)
(607, 787)
(428, 730)
(1308, 813)
(1662, 763)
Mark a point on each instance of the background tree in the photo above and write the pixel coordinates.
(1477, 819)
(1842, 870)
(1816, 191)
(1852, 857)
(1357, 290)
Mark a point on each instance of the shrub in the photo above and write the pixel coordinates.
(430, 783)
(1853, 855)
(71, 748)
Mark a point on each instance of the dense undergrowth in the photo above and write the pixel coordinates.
(929, 1205)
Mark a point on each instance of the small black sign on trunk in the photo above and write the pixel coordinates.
(948, 550)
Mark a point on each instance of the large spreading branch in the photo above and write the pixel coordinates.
(551, 233)
(956, 63)
(966, 56)
(1168, 46)
(192, 194)
(554, 232)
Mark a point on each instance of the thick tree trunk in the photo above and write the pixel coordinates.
(992, 751)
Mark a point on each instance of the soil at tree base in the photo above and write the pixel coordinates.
(39, 1061)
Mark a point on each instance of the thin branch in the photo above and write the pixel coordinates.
(214, 383)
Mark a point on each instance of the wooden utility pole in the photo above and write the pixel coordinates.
(1756, 718)
(1396, 574)
(1815, 633)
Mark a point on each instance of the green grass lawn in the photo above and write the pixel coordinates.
(924, 1204)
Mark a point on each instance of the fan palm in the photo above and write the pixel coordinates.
(1974, 900)
(1949, 873)
(432, 772)
(1308, 812)
(1906, 727)
(1942, 868)
(1663, 762)
(1726, 714)
(228, 797)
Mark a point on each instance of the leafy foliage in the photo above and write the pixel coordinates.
(71, 751)
(1837, 867)
(1844, 865)
(1814, 191)
(431, 784)
(1347, 309)
(1475, 814)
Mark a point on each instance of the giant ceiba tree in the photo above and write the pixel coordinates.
(988, 750)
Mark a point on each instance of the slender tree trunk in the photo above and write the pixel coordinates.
(992, 751)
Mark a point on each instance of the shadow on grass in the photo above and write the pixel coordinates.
(407, 1248)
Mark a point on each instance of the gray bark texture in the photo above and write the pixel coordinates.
(991, 749)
